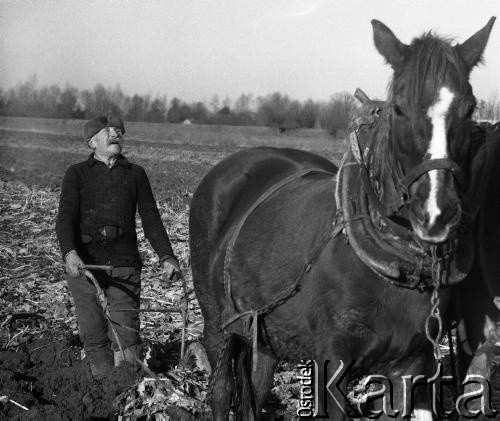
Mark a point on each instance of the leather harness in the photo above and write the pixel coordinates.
(245, 323)
(389, 249)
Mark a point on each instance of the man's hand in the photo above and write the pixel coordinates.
(170, 270)
(73, 263)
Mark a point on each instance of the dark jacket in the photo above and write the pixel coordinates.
(97, 213)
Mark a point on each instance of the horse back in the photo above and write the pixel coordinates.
(237, 181)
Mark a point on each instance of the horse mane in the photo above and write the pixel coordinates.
(426, 63)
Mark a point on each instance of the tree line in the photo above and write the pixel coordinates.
(275, 110)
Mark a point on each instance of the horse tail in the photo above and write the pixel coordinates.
(245, 399)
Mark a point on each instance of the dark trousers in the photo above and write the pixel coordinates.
(122, 289)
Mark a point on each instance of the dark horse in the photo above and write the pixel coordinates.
(286, 269)
(477, 298)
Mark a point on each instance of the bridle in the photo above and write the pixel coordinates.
(404, 183)
(378, 111)
(429, 165)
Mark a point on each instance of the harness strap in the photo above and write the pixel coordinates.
(232, 315)
(262, 198)
(253, 316)
(386, 247)
(434, 164)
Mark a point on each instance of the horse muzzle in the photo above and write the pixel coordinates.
(435, 208)
(435, 227)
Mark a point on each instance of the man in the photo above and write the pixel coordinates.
(96, 225)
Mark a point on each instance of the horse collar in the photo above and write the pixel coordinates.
(387, 247)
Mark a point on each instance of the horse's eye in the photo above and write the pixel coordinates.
(398, 111)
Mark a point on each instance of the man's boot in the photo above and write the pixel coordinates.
(131, 354)
(101, 363)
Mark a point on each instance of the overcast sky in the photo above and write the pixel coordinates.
(193, 49)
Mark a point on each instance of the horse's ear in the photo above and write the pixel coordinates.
(472, 49)
(387, 43)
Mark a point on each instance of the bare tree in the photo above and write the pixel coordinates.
(337, 114)
(214, 103)
(137, 109)
(273, 110)
(157, 113)
(67, 103)
(309, 114)
(199, 112)
(243, 103)
(492, 108)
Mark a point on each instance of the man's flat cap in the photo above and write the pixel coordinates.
(96, 124)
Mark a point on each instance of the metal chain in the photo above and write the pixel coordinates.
(437, 274)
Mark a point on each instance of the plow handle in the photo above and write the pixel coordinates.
(98, 267)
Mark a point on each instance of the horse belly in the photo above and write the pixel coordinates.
(330, 315)
(345, 311)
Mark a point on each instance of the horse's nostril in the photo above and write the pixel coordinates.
(420, 216)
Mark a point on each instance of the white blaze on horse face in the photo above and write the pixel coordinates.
(438, 146)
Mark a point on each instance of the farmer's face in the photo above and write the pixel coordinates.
(108, 142)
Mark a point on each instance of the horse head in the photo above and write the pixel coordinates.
(431, 106)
